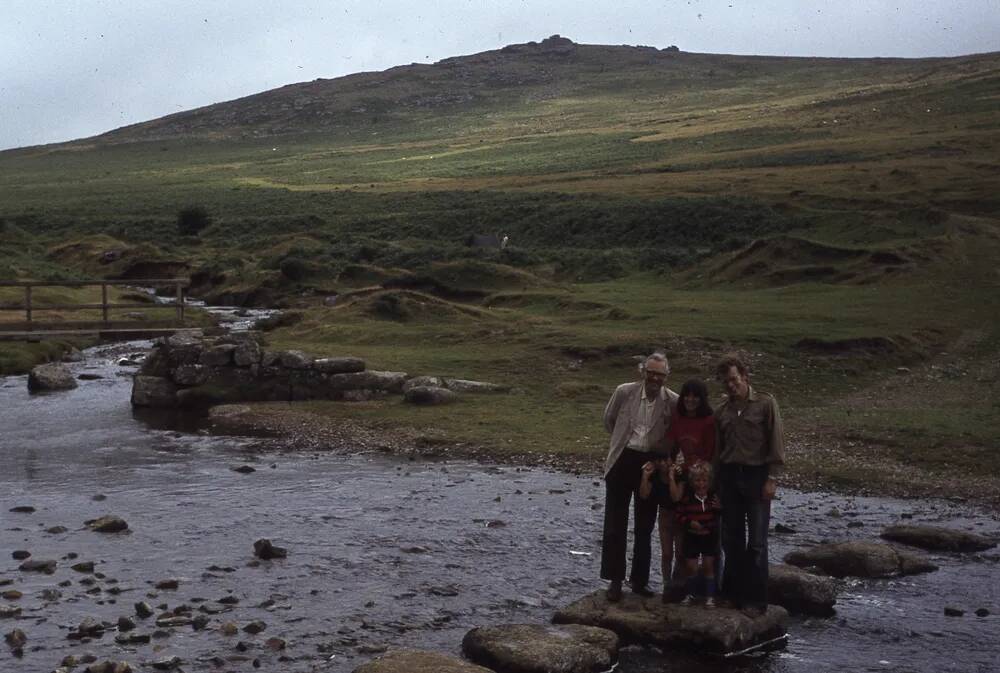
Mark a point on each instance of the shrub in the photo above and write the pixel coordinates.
(191, 220)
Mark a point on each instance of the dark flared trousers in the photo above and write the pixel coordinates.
(621, 488)
(745, 519)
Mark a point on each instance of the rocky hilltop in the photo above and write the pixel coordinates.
(518, 74)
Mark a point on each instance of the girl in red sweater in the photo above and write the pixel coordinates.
(690, 439)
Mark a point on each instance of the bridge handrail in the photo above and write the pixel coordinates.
(28, 285)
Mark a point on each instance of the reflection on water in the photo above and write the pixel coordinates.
(386, 552)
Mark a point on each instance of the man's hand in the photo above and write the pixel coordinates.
(770, 487)
(715, 503)
(647, 470)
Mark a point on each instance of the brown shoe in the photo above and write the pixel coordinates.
(614, 591)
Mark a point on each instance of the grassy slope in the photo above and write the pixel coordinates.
(581, 157)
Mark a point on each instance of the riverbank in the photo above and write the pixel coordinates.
(818, 460)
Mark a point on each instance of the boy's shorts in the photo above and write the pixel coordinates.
(697, 545)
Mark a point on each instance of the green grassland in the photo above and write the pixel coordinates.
(836, 220)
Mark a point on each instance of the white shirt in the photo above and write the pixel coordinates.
(642, 421)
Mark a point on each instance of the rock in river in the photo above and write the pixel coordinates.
(860, 558)
(107, 524)
(415, 661)
(643, 621)
(50, 376)
(263, 549)
(935, 538)
(800, 592)
(542, 648)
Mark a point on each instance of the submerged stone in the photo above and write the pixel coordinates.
(542, 648)
(936, 538)
(416, 661)
(648, 621)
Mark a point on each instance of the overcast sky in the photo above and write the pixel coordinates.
(75, 68)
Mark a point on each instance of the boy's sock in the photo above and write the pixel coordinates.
(710, 587)
(691, 585)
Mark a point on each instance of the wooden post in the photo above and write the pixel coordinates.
(27, 301)
(104, 302)
(180, 303)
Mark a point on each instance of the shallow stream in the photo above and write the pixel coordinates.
(385, 551)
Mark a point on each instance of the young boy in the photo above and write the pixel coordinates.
(697, 511)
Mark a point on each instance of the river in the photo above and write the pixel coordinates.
(385, 551)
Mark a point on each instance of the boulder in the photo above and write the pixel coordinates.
(429, 381)
(860, 558)
(247, 352)
(107, 524)
(801, 592)
(263, 549)
(416, 661)
(648, 621)
(190, 375)
(935, 538)
(465, 386)
(429, 395)
(50, 376)
(153, 391)
(39, 566)
(344, 365)
(542, 648)
(217, 356)
(295, 360)
(372, 380)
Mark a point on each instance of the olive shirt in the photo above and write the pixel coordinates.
(750, 433)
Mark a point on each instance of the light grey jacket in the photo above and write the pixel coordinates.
(619, 417)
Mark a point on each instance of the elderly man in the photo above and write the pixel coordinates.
(637, 416)
(750, 456)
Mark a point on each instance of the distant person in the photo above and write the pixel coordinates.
(697, 514)
(504, 241)
(750, 458)
(690, 439)
(637, 416)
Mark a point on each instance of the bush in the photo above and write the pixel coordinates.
(294, 269)
(191, 220)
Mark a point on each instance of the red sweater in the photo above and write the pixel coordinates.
(694, 437)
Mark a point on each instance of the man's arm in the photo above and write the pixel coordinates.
(611, 411)
(775, 458)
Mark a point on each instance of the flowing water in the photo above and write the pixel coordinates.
(385, 551)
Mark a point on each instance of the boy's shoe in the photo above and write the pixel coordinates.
(688, 600)
(614, 591)
(710, 602)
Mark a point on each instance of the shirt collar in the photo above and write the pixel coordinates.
(662, 395)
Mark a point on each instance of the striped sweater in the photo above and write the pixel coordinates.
(691, 508)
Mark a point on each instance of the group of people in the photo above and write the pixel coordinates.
(708, 476)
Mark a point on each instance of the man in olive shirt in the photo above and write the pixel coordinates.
(750, 456)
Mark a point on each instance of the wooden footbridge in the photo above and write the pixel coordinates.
(47, 318)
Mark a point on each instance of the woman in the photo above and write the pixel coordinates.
(690, 440)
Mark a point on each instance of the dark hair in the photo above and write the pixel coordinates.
(731, 360)
(695, 387)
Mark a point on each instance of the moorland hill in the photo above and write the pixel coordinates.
(835, 219)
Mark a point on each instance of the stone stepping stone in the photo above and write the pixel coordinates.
(417, 661)
(801, 592)
(861, 558)
(648, 621)
(542, 648)
(935, 538)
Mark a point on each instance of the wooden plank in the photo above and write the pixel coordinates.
(66, 307)
(129, 333)
(138, 282)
